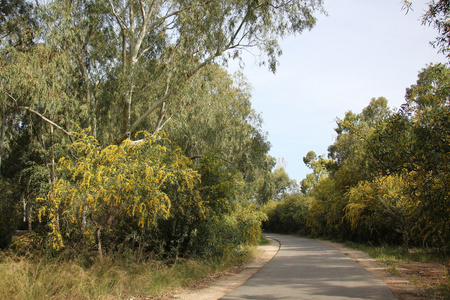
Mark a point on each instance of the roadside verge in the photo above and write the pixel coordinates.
(229, 281)
(402, 288)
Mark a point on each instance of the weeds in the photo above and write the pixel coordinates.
(401, 253)
(106, 278)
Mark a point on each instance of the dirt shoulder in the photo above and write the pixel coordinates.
(425, 274)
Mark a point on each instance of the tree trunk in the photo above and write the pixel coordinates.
(53, 178)
(99, 242)
(2, 133)
(90, 100)
(29, 217)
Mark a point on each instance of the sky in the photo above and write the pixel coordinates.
(361, 50)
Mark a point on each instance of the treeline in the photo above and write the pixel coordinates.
(120, 130)
(387, 176)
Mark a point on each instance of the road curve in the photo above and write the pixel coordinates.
(308, 269)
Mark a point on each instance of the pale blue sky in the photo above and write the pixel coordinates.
(361, 50)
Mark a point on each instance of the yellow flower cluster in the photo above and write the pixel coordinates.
(98, 187)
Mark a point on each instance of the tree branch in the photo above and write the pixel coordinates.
(36, 113)
(118, 18)
(45, 119)
(166, 95)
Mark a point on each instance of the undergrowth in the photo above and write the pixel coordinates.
(105, 278)
(387, 253)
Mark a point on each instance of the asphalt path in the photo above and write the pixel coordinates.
(309, 269)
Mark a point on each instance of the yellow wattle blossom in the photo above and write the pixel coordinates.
(103, 186)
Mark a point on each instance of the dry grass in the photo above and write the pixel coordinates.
(106, 278)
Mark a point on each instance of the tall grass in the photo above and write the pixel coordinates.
(106, 278)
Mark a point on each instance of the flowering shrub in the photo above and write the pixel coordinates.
(145, 196)
(381, 207)
(98, 188)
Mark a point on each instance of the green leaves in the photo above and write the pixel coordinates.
(101, 186)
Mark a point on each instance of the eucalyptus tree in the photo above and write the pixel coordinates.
(129, 58)
(17, 28)
(160, 45)
(214, 113)
(198, 32)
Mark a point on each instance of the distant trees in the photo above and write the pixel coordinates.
(319, 166)
(275, 184)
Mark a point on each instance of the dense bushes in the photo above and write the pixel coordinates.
(144, 196)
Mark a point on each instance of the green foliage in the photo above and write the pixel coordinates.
(275, 186)
(32, 90)
(351, 149)
(214, 114)
(241, 227)
(218, 186)
(326, 216)
(17, 24)
(99, 188)
(185, 231)
(414, 143)
(229, 223)
(145, 196)
(320, 166)
(141, 54)
(437, 15)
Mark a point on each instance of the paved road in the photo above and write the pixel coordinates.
(308, 269)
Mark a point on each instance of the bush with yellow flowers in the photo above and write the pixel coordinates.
(98, 189)
(145, 196)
